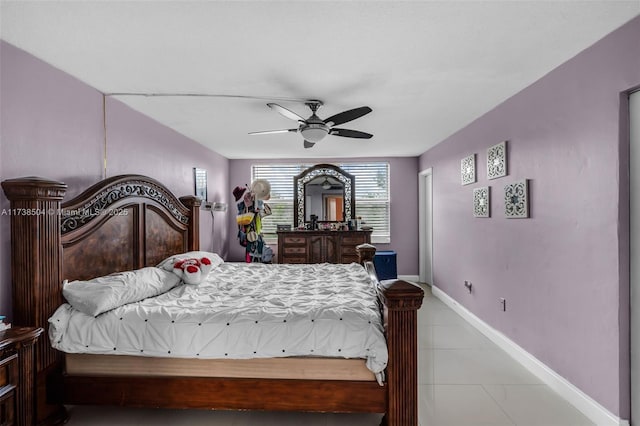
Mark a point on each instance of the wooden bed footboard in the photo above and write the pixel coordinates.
(131, 221)
(401, 301)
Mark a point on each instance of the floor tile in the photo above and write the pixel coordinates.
(478, 366)
(431, 302)
(125, 416)
(425, 336)
(440, 316)
(460, 336)
(536, 405)
(425, 367)
(263, 418)
(426, 404)
(353, 419)
(462, 405)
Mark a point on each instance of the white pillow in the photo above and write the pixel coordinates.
(102, 294)
(167, 264)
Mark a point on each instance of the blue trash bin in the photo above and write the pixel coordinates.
(385, 263)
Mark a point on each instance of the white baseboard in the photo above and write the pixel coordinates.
(413, 278)
(587, 405)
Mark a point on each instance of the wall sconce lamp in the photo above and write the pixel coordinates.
(214, 207)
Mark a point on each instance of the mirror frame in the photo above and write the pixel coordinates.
(299, 188)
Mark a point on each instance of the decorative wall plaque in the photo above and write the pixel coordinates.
(516, 199)
(481, 202)
(468, 169)
(497, 160)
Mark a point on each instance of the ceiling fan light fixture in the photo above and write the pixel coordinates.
(326, 184)
(313, 133)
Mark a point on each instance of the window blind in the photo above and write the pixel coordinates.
(372, 195)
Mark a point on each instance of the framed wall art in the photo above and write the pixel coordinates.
(482, 202)
(497, 160)
(468, 169)
(200, 183)
(516, 199)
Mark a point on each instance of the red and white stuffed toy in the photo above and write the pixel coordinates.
(192, 271)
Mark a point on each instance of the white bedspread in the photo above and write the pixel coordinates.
(240, 311)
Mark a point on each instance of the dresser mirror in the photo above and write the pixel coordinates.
(325, 192)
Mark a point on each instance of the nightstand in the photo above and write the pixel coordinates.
(17, 376)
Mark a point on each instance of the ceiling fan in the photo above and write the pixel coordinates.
(314, 129)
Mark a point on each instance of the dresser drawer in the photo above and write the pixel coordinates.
(349, 251)
(17, 375)
(7, 405)
(291, 259)
(8, 370)
(295, 240)
(8, 381)
(355, 239)
(294, 250)
(319, 246)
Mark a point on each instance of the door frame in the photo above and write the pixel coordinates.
(425, 225)
(634, 252)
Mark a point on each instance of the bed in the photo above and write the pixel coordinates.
(129, 222)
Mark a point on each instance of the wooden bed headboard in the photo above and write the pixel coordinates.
(121, 223)
(124, 223)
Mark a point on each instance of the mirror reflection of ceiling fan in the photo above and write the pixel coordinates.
(314, 129)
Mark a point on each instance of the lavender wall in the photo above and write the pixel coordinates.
(404, 205)
(140, 145)
(562, 270)
(52, 126)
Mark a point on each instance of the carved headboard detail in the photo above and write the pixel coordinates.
(88, 205)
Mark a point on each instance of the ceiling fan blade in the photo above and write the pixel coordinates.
(308, 144)
(287, 113)
(348, 133)
(346, 116)
(269, 132)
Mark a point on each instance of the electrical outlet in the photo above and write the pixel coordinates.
(503, 303)
(207, 205)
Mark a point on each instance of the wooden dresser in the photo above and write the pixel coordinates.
(320, 246)
(17, 376)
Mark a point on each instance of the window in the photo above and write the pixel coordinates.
(372, 195)
(281, 202)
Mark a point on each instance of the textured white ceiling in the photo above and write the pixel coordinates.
(426, 68)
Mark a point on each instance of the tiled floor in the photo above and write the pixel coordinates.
(464, 380)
